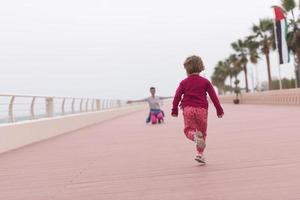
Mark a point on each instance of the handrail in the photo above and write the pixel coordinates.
(30, 106)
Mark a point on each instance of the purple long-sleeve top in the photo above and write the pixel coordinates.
(193, 91)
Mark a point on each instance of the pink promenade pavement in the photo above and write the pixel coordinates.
(253, 153)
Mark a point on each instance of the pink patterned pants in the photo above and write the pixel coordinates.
(195, 119)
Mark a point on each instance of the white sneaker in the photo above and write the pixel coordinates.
(200, 159)
(199, 140)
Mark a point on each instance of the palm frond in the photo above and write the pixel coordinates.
(288, 5)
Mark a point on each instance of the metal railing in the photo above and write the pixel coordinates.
(15, 108)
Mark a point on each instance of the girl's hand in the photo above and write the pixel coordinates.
(174, 115)
(174, 112)
(221, 116)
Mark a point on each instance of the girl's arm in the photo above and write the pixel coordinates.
(162, 98)
(176, 100)
(214, 98)
(136, 101)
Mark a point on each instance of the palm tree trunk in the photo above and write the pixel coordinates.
(269, 71)
(236, 87)
(223, 90)
(246, 77)
(219, 90)
(230, 84)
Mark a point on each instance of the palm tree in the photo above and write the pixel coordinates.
(253, 47)
(244, 49)
(229, 71)
(264, 33)
(293, 34)
(235, 65)
(235, 70)
(289, 6)
(219, 77)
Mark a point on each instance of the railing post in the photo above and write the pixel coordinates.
(63, 106)
(81, 104)
(98, 104)
(73, 104)
(87, 105)
(32, 108)
(93, 105)
(49, 106)
(11, 109)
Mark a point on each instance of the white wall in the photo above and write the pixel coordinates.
(272, 97)
(16, 135)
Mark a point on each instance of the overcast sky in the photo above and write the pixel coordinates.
(118, 48)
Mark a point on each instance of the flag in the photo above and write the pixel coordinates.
(281, 29)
